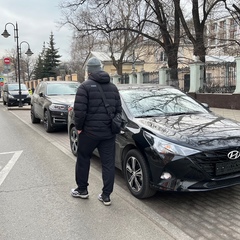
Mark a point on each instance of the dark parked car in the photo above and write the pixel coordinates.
(50, 102)
(170, 142)
(11, 94)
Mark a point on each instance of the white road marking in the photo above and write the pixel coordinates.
(5, 171)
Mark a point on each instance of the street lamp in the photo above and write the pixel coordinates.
(29, 53)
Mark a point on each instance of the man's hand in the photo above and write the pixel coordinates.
(79, 131)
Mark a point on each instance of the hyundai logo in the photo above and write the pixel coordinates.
(233, 154)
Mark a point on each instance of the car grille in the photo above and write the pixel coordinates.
(216, 163)
(22, 96)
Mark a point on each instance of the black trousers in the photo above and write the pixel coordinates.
(106, 149)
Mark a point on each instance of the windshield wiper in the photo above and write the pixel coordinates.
(182, 113)
(148, 116)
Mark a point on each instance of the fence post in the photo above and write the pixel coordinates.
(237, 88)
(74, 77)
(163, 75)
(196, 76)
(132, 78)
(140, 77)
(115, 78)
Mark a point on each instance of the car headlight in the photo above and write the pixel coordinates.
(166, 147)
(58, 107)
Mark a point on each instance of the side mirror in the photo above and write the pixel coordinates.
(205, 105)
(124, 122)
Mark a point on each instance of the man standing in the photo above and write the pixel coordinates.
(93, 125)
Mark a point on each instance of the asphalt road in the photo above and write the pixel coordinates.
(37, 173)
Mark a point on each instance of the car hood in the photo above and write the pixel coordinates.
(204, 131)
(62, 99)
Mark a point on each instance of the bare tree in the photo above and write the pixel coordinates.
(201, 12)
(81, 47)
(26, 64)
(235, 12)
(158, 21)
(12, 54)
(94, 22)
(124, 21)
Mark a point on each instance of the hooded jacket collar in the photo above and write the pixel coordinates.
(100, 77)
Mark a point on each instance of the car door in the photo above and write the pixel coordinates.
(37, 100)
(41, 99)
(5, 93)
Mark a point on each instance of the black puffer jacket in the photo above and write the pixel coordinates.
(90, 113)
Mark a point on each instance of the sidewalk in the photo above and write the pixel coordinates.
(227, 113)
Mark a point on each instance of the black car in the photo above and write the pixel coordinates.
(11, 94)
(170, 142)
(50, 102)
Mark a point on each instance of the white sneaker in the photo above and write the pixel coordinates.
(79, 194)
(104, 199)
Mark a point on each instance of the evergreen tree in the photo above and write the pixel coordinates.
(38, 68)
(38, 71)
(51, 59)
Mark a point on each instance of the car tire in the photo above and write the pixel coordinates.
(47, 122)
(136, 174)
(73, 136)
(33, 118)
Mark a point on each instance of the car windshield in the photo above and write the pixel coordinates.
(62, 88)
(15, 87)
(159, 102)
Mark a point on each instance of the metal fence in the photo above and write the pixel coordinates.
(219, 78)
(124, 78)
(215, 78)
(151, 77)
(184, 78)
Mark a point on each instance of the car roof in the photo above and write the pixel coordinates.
(55, 82)
(142, 86)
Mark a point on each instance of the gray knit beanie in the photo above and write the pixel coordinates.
(93, 65)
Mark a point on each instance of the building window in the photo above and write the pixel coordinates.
(163, 57)
(233, 29)
(223, 25)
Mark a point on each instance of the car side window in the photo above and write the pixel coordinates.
(43, 88)
(37, 88)
(40, 88)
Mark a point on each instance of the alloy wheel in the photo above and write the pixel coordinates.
(134, 174)
(74, 140)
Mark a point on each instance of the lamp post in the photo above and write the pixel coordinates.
(29, 52)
